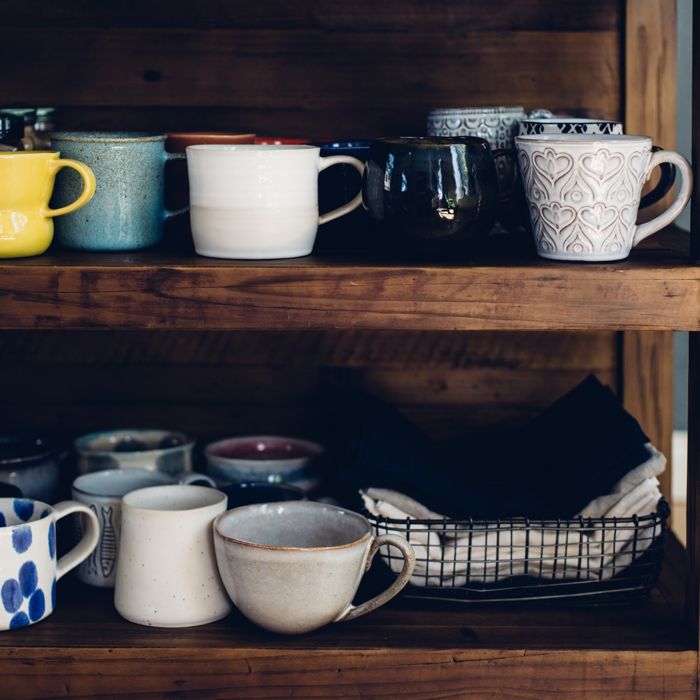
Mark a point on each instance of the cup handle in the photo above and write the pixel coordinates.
(356, 201)
(86, 195)
(170, 213)
(667, 176)
(409, 562)
(669, 215)
(194, 477)
(88, 542)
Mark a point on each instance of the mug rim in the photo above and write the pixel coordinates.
(315, 449)
(251, 147)
(313, 505)
(106, 136)
(25, 154)
(220, 497)
(585, 139)
(106, 473)
(477, 110)
(431, 141)
(569, 120)
(80, 446)
(45, 507)
(207, 134)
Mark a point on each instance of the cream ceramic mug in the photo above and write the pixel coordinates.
(293, 567)
(259, 202)
(167, 575)
(584, 191)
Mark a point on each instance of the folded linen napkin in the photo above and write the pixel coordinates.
(492, 551)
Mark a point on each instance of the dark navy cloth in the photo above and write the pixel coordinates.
(551, 467)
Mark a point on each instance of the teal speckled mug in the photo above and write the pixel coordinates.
(127, 211)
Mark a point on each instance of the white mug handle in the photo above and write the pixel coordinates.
(324, 163)
(88, 542)
(674, 210)
(193, 477)
(409, 562)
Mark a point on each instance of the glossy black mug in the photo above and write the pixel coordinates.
(431, 196)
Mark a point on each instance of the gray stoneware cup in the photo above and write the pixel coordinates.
(102, 492)
(127, 211)
(294, 567)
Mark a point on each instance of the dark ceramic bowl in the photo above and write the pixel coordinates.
(431, 197)
(32, 464)
(245, 493)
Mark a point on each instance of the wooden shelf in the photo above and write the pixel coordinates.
(656, 289)
(86, 650)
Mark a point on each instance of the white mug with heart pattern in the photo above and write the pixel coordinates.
(583, 193)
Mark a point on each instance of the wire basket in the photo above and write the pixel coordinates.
(589, 560)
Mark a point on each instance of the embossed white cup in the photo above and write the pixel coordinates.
(583, 193)
(259, 202)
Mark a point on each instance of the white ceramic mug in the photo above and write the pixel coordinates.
(102, 492)
(259, 202)
(294, 567)
(167, 574)
(584, 191)
(28, 566)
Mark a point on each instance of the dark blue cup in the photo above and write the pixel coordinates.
(245, 493)
(336, 186)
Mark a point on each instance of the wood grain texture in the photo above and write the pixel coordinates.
(147, 290)
(356, 16)
(307, 68)
(212, 384)
(85, 650)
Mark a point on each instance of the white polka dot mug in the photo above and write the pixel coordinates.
(28, 565)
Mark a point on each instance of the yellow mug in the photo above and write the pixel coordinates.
(26, 184)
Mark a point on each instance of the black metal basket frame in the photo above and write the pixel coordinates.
(478, 562)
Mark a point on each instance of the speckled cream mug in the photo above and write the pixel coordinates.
(167, 575)
(294, 567)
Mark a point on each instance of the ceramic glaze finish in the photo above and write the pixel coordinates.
(102, 493)
(167, 574)
(294, 567)
(584, 193)
(258, 202)
(28, 566)
(568, 125)
(270, 458)
(26, 183)
(430, 196)
(498, 125)
(127, 211)
(161, 450)
(32, 465)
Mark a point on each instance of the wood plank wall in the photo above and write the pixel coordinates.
(315, 68)
(341, 68)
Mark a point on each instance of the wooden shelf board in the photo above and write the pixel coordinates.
(86, 649)
(656, 289)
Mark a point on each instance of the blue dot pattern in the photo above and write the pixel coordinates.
(28, 578)
(37, 605)
(52, 540)
(19, 620)
(11, 595)
(22, 538)
(53, 594)
(3, 522)
(24, 508)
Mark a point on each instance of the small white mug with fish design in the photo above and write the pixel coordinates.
(102, 492)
